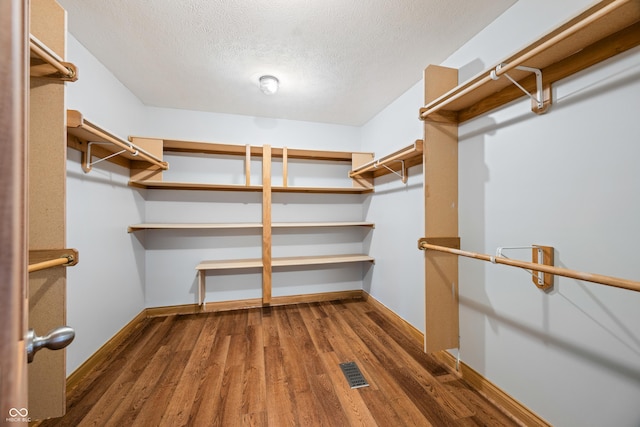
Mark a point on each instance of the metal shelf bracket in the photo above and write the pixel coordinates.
(539, 98)
(88, 164)
(403, 176)
(540, 255)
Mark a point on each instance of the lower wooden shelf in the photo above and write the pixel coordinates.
(282, 261)
(275, 262)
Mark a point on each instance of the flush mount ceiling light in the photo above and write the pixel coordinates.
(269, 85)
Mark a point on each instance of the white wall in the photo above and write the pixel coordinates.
(567, 179)
(235, 129)
(105, 290)
(398, 212)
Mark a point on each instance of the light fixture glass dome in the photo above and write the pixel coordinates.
(269, 84)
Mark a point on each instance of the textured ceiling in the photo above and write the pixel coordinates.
(338, 61)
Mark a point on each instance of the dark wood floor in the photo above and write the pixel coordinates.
(278, 367)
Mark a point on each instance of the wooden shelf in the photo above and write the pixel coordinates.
(241, 225)
(85, 133)
(282, 261)
(320, 260)
(604, 30)
(169, 185)
(397, 162)
(172, 145)
(229, 264)
(322, 224)
(46, 63)
(192, 226)
(213, 226)
(327, 190)
(297, 153)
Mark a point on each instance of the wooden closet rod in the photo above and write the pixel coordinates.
(41, 259)
(588, 277)
(68, 260)
(51, 58)
(451, 96)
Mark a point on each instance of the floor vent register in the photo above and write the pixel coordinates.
(353, 375)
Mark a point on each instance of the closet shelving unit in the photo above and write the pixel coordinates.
(267, 153)
(92, 140)
(604, 30)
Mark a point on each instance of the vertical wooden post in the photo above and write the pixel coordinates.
(441, 217)
(285, 167)
(266, 225)
(247, 166)
(14, 36)
(47, 163)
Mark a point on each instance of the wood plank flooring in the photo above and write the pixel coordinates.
(276, 367)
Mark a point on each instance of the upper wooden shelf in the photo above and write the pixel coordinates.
(85, 134)
(602, 31)
(172, 145)
(46, 63)
(247, 151)
(397, 162)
